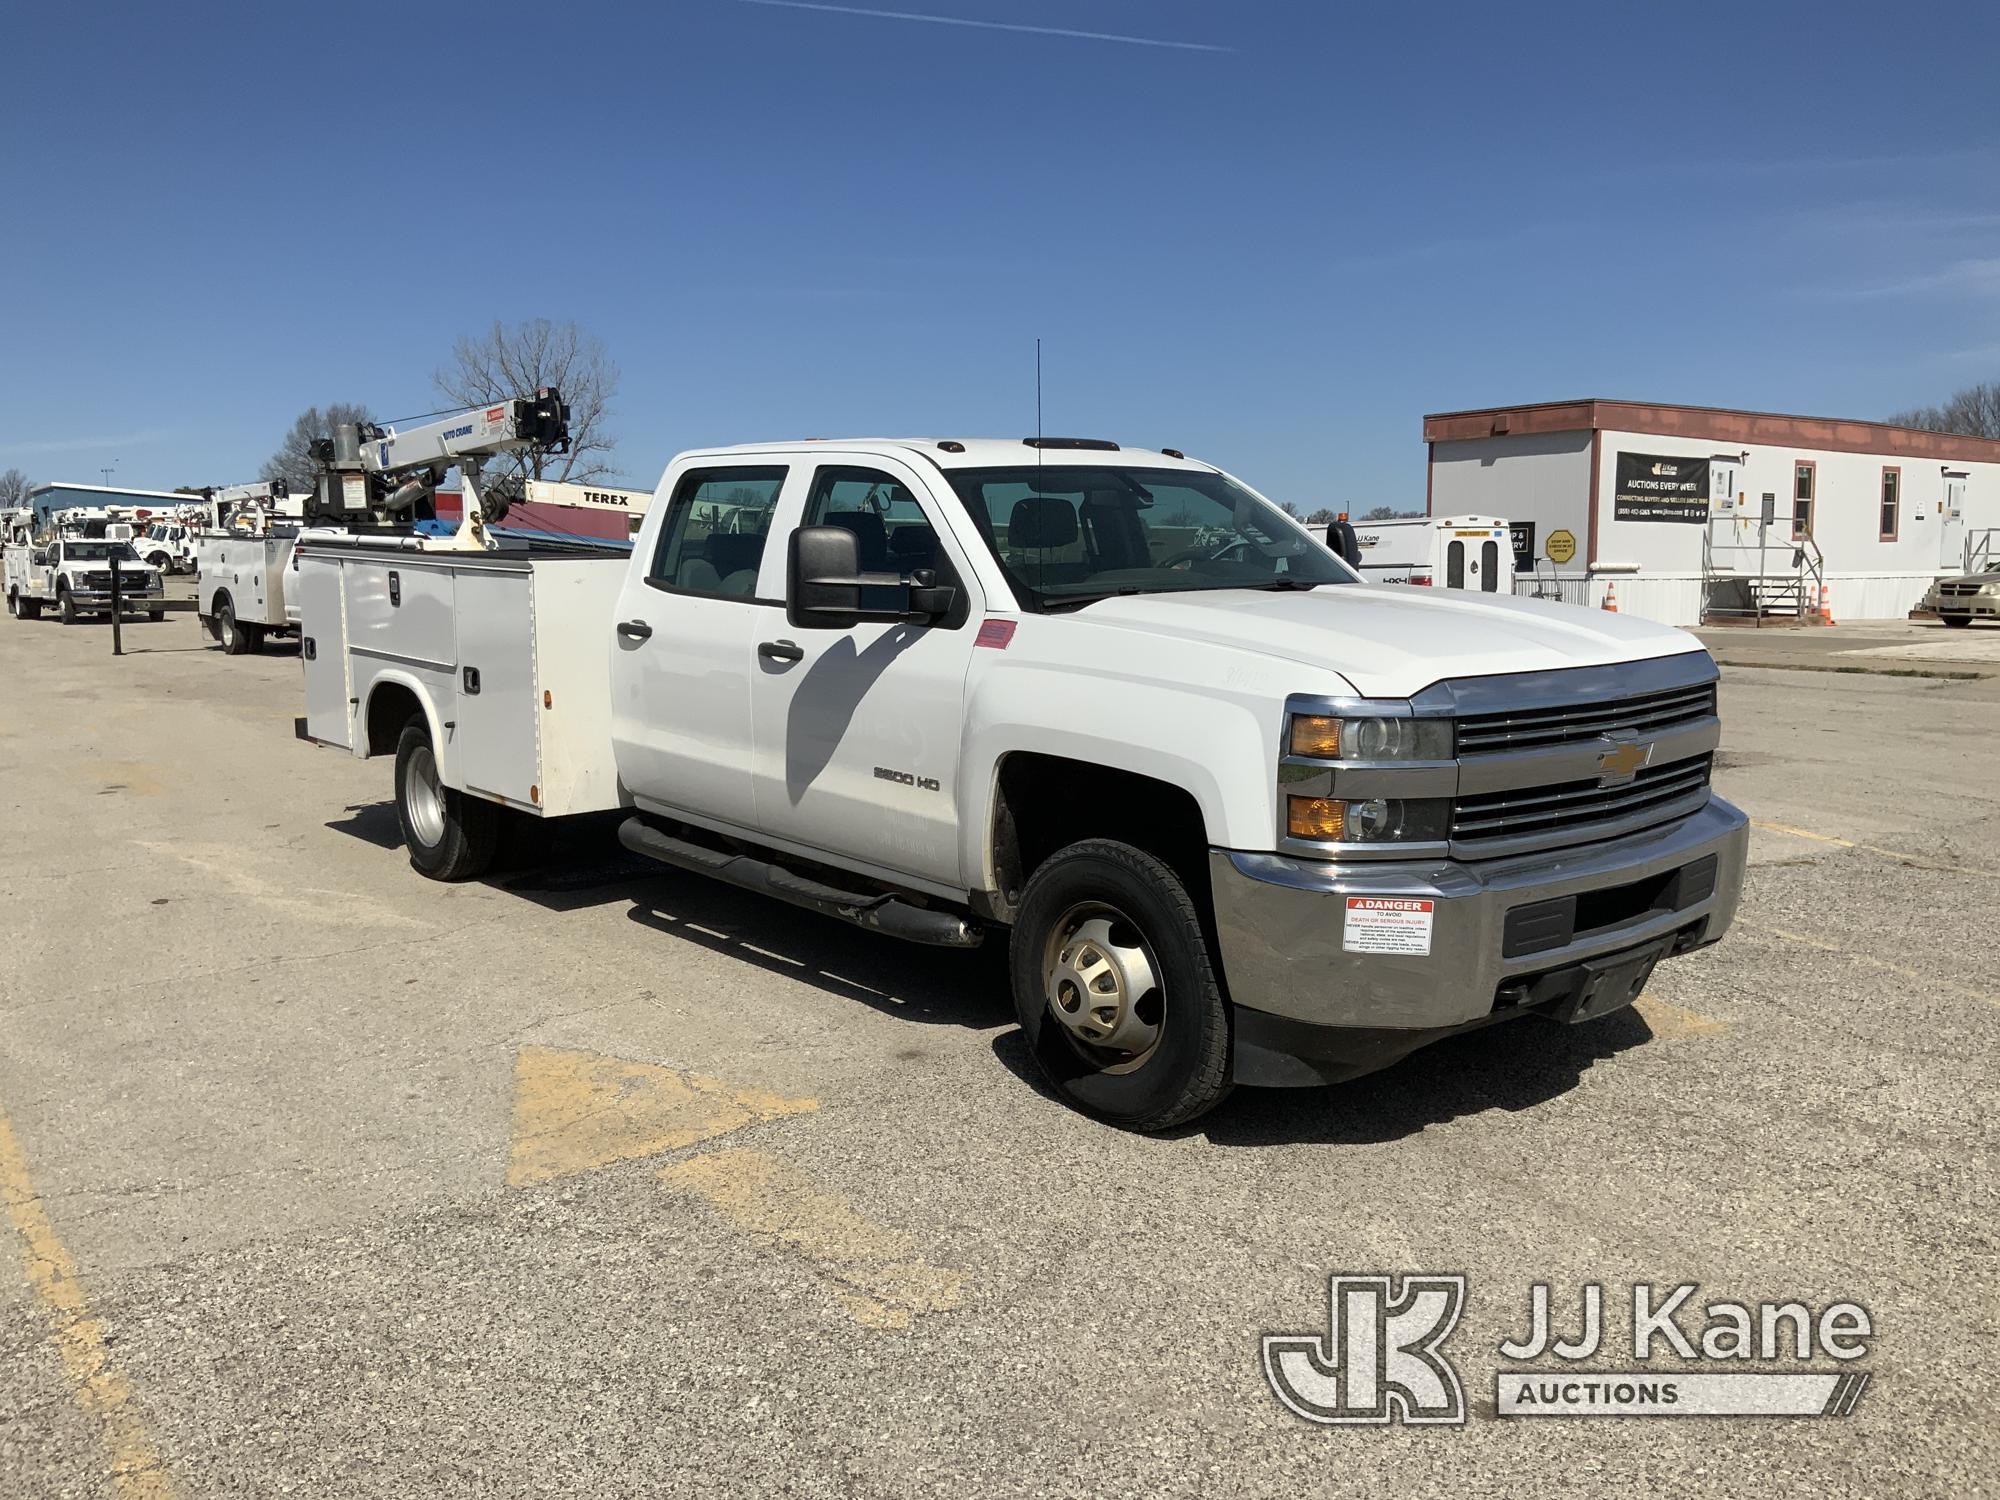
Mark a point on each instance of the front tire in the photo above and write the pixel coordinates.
(156, 615)
(450, 836)
(66, 606)
(1956, 622)
(1115, 990)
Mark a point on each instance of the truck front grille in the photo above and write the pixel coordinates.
(1534, 728)
(1960, 590)
(1579, 810)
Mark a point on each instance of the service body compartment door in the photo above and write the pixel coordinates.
(494, 732)
(323, 649)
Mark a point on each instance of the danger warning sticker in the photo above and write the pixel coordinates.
(1388, 924)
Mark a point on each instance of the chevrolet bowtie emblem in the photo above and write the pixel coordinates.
(1623, 761)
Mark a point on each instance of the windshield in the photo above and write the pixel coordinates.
(1069, 535)
(99, 551)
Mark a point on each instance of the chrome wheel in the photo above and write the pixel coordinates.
(1101, 982)
(425, 796)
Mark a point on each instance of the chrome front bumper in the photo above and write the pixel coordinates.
(1282, 922)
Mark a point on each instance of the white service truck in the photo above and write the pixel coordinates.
(72, 575)
(1450, 552)
(167, 545)
(1238, 817)
(243, 569)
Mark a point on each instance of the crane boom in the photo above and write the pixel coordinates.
(387, 476)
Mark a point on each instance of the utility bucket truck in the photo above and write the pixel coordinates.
(1236, 816)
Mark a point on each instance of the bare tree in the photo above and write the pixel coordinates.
(1389, 513)
(13, 488)
(518, 361)
(293, 460)
(1974, 411)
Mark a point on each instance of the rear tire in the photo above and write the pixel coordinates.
(1115, 990)
(450, 836)
(234, 637)
(156, 615)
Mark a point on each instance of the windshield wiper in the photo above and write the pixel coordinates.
(1284, 586)
(1078, 601)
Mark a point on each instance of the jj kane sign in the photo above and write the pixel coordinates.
(1652, 488)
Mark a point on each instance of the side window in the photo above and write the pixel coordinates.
(713, 539)
(895, 535)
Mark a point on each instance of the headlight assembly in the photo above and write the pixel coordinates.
(1374, 820)
(1323, 737)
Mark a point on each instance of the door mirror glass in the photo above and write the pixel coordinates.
(823, 578)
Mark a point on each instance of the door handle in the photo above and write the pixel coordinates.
(635, 630)
(781, 651)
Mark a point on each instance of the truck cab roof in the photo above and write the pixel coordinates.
(977, 453)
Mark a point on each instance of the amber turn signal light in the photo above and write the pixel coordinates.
(1318, 818)
(1315, 736)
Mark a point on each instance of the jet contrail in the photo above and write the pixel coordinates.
(906, 15)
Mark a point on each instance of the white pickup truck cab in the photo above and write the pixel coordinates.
(72, 575)
(1240, 816)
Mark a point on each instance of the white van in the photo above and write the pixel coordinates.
(1448, 552)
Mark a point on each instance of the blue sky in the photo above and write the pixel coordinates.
(1275, 244)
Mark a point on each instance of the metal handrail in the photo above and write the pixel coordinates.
(1982, 550)
(1807, 562)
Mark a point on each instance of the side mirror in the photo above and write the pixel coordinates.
(1346, 545)
(823, 578)
(823, 584)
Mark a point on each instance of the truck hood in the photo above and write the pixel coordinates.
(1989, 577)
(1391, 641)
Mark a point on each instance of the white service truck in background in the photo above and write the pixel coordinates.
(72, 575)
(1449, 552)
(1238, 817)
(243, 569)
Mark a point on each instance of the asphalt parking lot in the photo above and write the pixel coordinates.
(595, 1179)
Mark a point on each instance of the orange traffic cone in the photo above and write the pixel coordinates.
(1610, 604)
(1825, 608)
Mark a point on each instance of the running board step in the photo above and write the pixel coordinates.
(879, 913)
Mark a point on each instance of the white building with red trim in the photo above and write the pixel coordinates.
(1667, 504)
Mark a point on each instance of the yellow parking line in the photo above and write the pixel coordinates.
(1896, 854)
(97, 1384)
(1823, 946)
(873, 1272)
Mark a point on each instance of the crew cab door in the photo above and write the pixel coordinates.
(858, 729)
(702, 591)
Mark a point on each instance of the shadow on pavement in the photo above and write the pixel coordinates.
(579, 863)
(1513, 1066)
